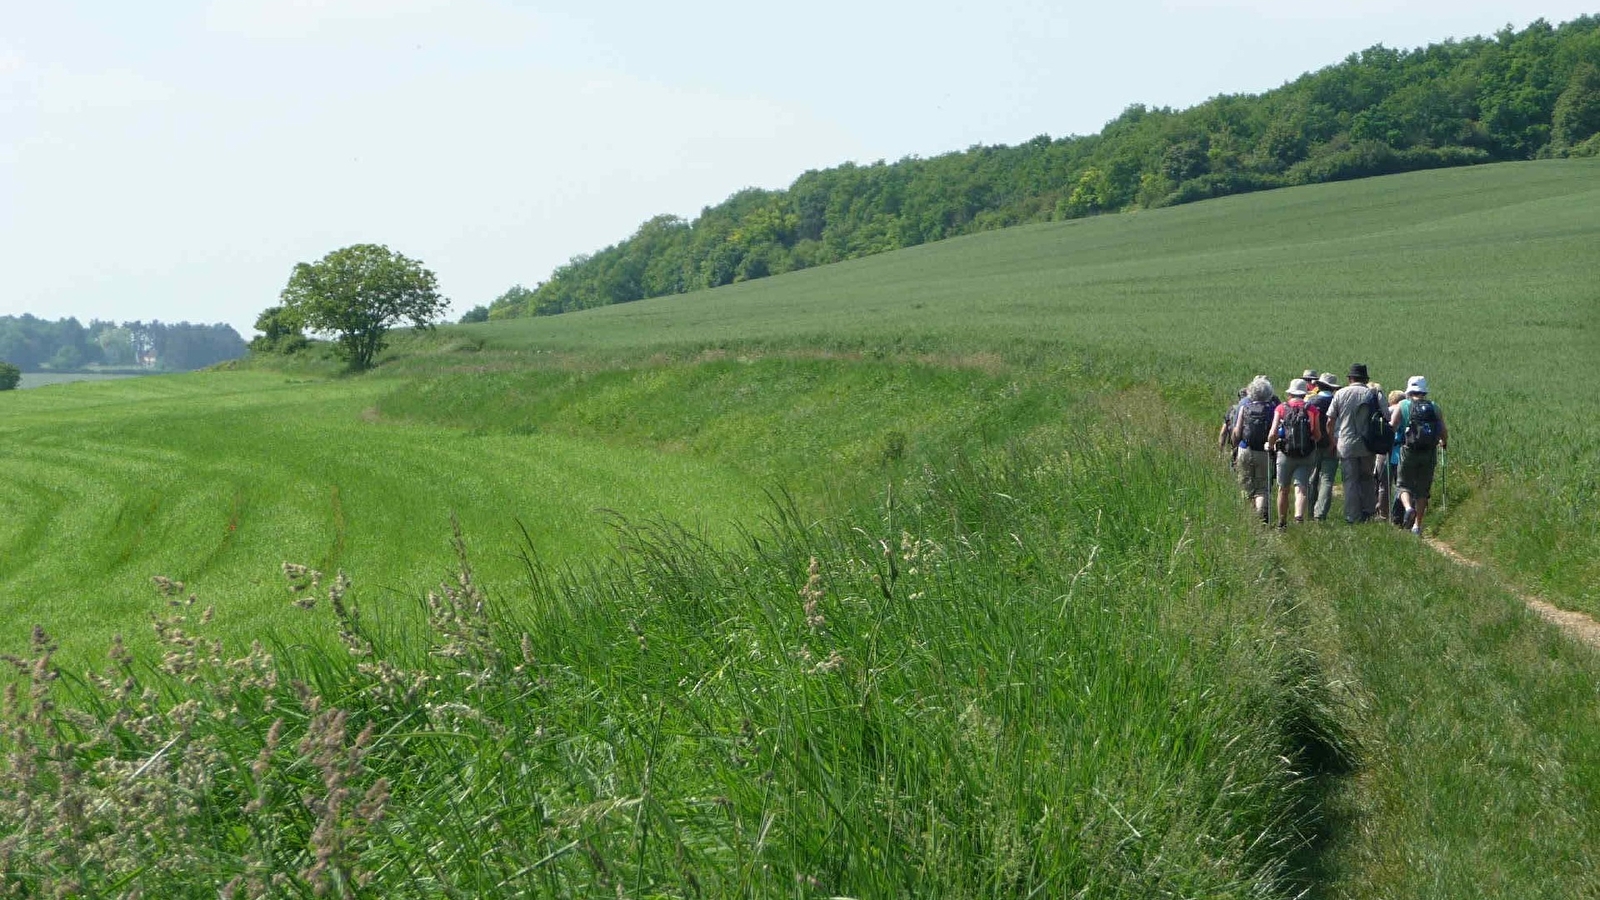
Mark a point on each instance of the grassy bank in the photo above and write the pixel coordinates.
(1049, 670)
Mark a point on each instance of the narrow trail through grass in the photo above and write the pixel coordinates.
(1477, 722)
(1576, 625)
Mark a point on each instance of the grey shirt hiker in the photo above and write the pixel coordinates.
(1350, 417)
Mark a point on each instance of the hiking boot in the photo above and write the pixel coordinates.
(1416, 530)
(1411, 520)
(1282, 525)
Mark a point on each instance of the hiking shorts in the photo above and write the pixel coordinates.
(1296, 469)
(1416, 471)
(1255, 469)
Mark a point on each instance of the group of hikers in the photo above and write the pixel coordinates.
(1385, 447)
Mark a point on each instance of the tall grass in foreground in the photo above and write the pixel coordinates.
(1052, 672)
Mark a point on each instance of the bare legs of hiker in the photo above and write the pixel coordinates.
(1301, 501)
(1416, 508)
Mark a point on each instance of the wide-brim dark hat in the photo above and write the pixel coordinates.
(1358, 371)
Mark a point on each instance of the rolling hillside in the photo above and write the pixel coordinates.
(1482, 279)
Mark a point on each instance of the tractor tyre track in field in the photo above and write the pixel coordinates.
(1575, 625)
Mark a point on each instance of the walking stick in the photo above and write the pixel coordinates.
(1444, 499)
(1272, 469)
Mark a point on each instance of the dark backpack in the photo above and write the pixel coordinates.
(1378, 434)
(1320, 402)
(1256, 423)
(1422, 432)
(1297, 440)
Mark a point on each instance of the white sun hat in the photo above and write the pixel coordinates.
(1417, 385)
(1297, 387)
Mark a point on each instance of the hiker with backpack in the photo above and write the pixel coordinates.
(1325, 467)
(1362, 431)
(1296, 428)
(1421, 432)
(1252, 428)
(1388, 468)
(1225, 438)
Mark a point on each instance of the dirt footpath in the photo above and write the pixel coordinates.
(1576, 625)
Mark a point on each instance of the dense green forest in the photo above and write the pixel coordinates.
(35, 345)
(1517, 95)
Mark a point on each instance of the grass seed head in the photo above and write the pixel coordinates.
(811, 596)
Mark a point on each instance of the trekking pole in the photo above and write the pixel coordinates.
(1443, 497)
(1272, 469)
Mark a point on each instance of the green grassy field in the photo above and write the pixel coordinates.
(216, 479)
(966, 604)
(1484, 279)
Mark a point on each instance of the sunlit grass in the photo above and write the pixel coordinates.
(1098, 678)
(1484, 279)
(1021, 674)
(216, 478)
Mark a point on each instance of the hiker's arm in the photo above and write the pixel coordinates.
(1394, 417)
(1444, 430)
(1272, 430)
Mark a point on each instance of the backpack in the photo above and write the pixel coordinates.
(1318, 405)
(1378, 434)
(1256, 423)
(1422, 433)
(1297, 440)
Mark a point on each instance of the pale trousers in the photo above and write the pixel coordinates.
(1322, 478)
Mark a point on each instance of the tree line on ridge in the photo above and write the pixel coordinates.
(1518, 95)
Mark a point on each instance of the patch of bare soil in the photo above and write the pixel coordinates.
(1575, 625)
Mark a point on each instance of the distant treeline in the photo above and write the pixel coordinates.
(35, 345)
(1517, 95)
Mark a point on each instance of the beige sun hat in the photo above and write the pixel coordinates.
(1298, 387)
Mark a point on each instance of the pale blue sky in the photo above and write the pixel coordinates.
(174, 160)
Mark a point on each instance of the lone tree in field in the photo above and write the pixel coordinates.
(359, 293)
(10, 376)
